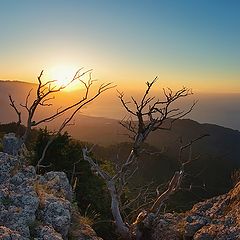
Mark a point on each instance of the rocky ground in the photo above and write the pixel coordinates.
(37, 207)
(40, 207)
(215, 219)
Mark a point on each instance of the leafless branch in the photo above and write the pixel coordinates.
(12, 104)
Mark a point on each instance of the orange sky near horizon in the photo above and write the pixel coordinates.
(134, 80)
(190, 43)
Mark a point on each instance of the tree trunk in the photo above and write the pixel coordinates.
(122, 229)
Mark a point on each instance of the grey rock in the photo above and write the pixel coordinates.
(35, 207)
(193, 224)
(192, 228)
(8, 234)
(217, 218)
(18, 199)
(10, 144)
(59, 183)
(25, 174)
(46, 232)
(7, 165)
(204, 236)
(218, 232)
(57, 213)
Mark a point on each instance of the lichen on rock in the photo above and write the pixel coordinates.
(217, 218)
(33, 206)
(10, 144)
(18, 199)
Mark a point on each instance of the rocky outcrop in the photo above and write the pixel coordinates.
(54, 205)
(10, 143)
(18, 199)
(36, 207)
(217, 218)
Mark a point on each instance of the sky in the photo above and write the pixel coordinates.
(193, 43)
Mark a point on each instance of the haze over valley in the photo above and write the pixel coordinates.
(216, 108)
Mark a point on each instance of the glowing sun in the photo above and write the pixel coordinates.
(63, 75)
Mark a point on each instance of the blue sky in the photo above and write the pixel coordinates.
(194, 43)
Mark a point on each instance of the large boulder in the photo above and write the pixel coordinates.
(8, 164)
(56, 213)
(18, 199)
(37, 207)
(58, 183)
(10, 144)
(55, 194)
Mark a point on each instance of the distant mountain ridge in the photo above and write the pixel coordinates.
(223, 142)
(14, 81)
(216, 108)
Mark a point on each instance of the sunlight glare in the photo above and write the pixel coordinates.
(63, 76)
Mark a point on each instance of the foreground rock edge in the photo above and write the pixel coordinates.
(37, 207)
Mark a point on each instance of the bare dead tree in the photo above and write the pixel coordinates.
(146, 116)
(82, 103)
(45, 93)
